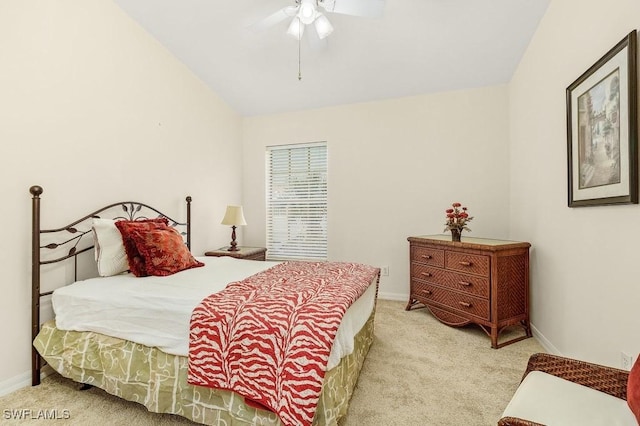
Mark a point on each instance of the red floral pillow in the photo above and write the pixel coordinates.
(126, 228)
(163, 251)
(633, 389)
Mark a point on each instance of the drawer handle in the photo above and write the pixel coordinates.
(427, 292)
(426, 256)
(426, 274)
(465, 263)
(465, 283)
(466, 304)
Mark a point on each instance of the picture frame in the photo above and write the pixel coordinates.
(602, 130)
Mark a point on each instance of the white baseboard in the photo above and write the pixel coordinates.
(21, 381)
(546, 344)
(13, 384)
(400, 297)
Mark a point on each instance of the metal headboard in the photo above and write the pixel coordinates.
(68, 242)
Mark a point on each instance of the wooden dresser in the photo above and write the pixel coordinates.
(477, 280)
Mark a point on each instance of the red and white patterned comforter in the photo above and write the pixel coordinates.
(269, 336)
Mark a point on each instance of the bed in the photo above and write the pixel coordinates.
(104, 337)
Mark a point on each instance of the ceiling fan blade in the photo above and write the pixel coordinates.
(366, 8)
(274, 19)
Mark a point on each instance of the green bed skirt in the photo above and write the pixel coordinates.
(159, 381)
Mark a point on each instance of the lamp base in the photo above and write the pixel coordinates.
(233, 244)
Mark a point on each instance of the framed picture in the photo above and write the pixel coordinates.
(602, 130)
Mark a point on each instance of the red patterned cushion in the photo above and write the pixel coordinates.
(126, 228)
(163, 251)
(633, 389)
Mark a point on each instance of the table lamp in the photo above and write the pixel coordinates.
(234, 217)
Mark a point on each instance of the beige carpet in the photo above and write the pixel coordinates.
(418, 372)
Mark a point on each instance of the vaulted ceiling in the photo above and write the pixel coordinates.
(415, 47)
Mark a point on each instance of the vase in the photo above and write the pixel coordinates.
(455, 234)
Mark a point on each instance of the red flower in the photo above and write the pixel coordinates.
(457, 217)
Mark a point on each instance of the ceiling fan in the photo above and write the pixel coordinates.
(307, 12)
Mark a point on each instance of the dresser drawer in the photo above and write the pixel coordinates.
(427, 255)
(471, 284)
(463, 303)
(469, 263)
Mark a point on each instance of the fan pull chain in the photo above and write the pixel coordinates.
(299, 43)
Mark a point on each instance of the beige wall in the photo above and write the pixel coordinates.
(585, 286)
(96, 111)
(394, 167)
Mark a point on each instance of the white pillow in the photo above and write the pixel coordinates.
(109, 249)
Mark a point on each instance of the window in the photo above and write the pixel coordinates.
(297, 202)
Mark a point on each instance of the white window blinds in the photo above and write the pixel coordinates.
(297, 202)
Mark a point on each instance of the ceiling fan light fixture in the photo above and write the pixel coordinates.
(323, 26)
(307, 12)
(296, 28)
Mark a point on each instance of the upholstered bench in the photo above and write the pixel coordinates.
(564, 391)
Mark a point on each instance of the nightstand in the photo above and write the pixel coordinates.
(248, 253)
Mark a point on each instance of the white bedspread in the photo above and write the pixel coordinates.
(155, 311)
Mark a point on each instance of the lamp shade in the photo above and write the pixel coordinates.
(323, 26)
(296, 28)
(234, 216)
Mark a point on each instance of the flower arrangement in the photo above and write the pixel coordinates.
(457, 219)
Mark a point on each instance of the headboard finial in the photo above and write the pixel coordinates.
(188, 199)
(36, 190)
